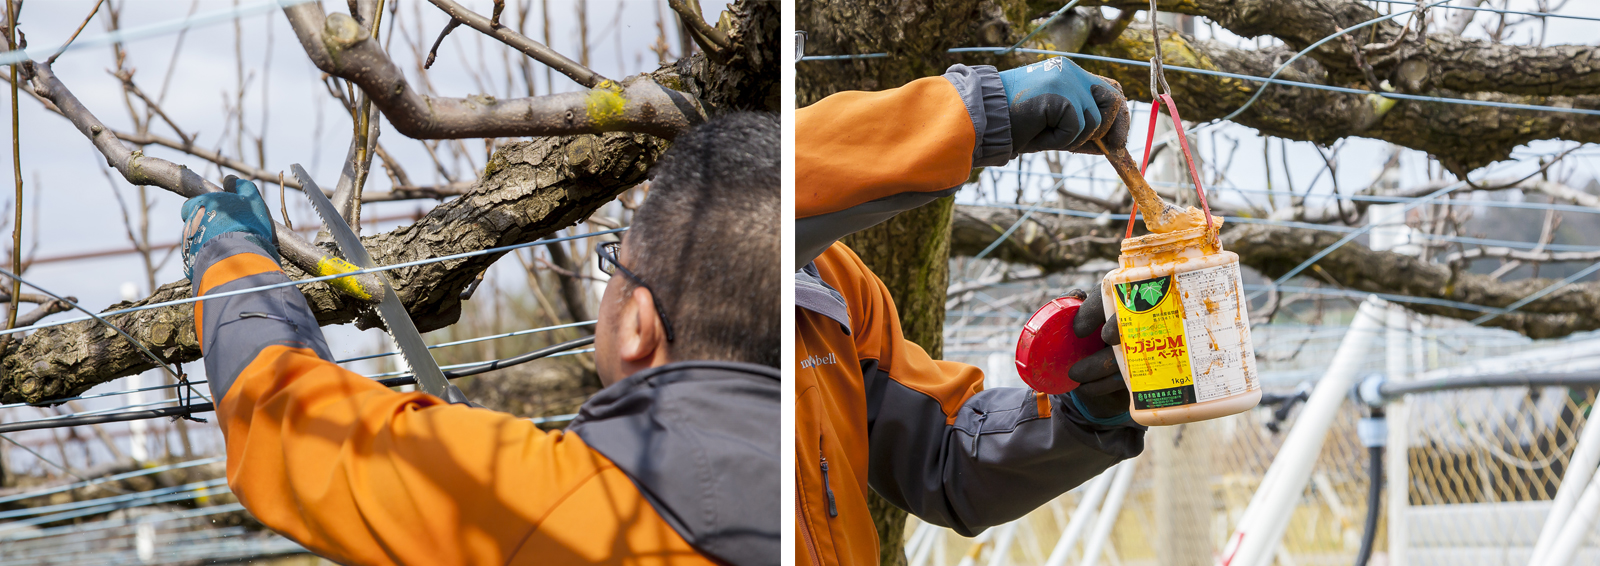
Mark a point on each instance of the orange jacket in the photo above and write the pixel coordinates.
(362, 474)
(874, 411)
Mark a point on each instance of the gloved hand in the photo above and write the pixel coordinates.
(1055, 104)
(239, 208)
(1101, 390)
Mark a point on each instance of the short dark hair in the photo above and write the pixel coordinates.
(708, 239)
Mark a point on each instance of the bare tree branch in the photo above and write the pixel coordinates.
(1057, 243)
(1463, 137)
(1439, 61)
(535, 189)
(141, 170)
(538, 51)
(710, 39)
(341, 47)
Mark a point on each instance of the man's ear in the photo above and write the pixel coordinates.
(641, 333)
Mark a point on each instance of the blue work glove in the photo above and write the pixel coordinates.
(1056, 105)
(238, 208)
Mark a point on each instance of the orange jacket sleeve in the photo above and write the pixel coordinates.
(362, 474)
(862, 157)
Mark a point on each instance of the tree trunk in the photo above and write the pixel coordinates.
(911, 254)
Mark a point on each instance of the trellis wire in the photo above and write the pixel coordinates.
(1496, 10)
(1253, 78)
(161, 28)
(309, 280)
(346, 360)
(111, 478)
(1308, 226)
(1324, 196)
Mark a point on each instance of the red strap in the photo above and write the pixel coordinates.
(1183, 141)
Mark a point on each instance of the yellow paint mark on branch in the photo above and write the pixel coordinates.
(605, 103)
(350, 285)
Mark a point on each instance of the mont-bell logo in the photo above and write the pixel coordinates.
(815, 361)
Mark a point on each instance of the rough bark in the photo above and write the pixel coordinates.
(1443, 60)
(1463, 137)
(1061, 243)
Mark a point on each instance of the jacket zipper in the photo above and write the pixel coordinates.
(978, 432)
(805, 527)
(833, 510)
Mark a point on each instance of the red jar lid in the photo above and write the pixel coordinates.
(1048, 347)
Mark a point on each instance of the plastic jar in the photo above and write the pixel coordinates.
(1185, 351)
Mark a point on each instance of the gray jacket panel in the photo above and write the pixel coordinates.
(813, 234)
(700, 441)
(261, 319)
(815, 295)
(999, 460)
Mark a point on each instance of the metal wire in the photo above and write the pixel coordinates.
(1540, 293)
(160, 28)
(1042, 26)
(1326, 196)
(121, 414)
(299, 282)
(1496, 10)
(346, 360)
(1312, 226)
(1276, 81)
(117, 477)
(118, 523)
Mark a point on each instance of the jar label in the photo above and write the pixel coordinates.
(1186, 337)
(1150, 318)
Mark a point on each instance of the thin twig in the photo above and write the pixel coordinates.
(710, 39)
(434, 51)
(85, 23)
(538, 51)
(283, 204)
(16, 161)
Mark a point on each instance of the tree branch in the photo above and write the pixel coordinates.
(1463, 137)
(534, 189)
(141, 170)
(1058, 243)
(343, 48)
(538, 51)
(1439, 61)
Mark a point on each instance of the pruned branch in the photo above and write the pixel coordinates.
(343, 48)
(538, 51)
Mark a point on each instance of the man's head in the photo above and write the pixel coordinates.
(704, 246)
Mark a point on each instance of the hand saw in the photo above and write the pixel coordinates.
(391, 311)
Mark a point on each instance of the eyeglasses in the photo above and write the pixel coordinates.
(610, 266)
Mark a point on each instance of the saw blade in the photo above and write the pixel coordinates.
(401, 329)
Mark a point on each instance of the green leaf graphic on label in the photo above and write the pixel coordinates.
(1150, 292)
(1141, 296)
